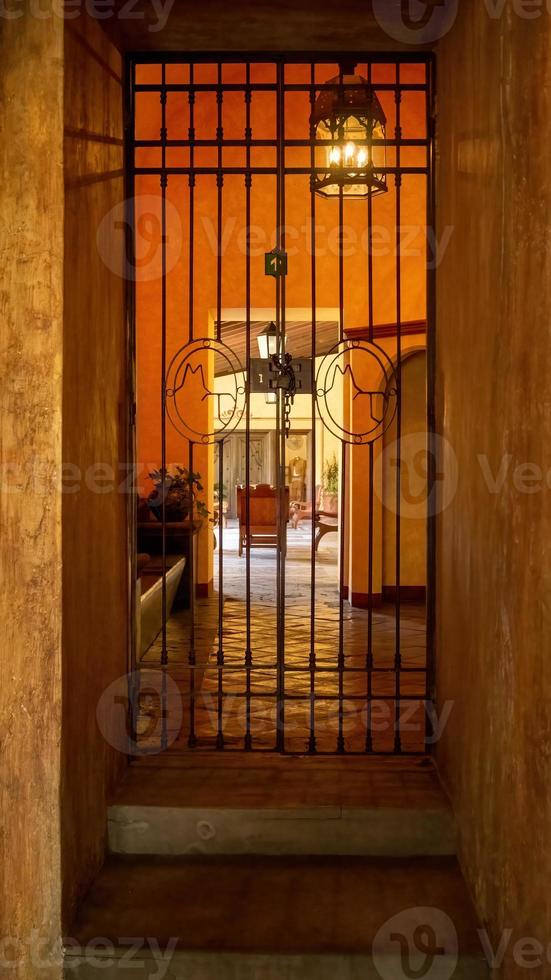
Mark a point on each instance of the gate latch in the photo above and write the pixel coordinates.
(286, 380)
(285, 373)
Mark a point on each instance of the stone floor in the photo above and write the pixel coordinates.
(236, 698)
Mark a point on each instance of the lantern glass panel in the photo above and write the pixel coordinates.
(350, 157)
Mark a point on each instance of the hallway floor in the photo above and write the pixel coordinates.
(354, 682)
(250, 780)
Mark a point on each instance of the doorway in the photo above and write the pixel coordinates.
(271, 325)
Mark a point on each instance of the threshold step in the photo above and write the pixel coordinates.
(224, 918)
(303, 808)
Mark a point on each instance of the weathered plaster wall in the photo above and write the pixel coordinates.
(31, 310)
(95, 569)
(494, 366)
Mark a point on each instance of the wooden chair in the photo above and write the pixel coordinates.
(263, 516)
(301, 510)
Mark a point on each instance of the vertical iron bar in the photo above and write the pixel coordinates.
(219, 184)
(248, 179)
(191, 137)
(340, 660)
(192, 739)
(164, 651)
(282, 486)
(130, 301)
(341, 663)
(369, 658)
(312, 664)
(280, 416)
(431, 395)
(220, 657)
(398, 654)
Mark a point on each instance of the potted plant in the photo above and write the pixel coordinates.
(180, 493)
(329, 500)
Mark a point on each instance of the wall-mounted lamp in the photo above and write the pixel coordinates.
(267, 345)
(267, 341)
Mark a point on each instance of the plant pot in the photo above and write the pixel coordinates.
(177, 505)
(329, 502)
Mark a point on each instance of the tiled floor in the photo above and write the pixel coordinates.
(218, 701)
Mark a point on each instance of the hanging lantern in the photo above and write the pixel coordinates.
(350, 121)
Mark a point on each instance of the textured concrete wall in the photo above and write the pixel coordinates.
(31, 308)
(494, 369)
(95, 569)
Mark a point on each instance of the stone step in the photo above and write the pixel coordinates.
(262, 918)
(301, 808)
(311, 830)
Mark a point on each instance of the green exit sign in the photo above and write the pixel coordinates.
(275, 263)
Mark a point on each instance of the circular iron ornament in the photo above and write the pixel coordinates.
(187, 384)
(378, 405)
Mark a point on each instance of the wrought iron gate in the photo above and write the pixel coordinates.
(272, 655)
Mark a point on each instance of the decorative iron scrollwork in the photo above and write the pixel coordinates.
(190, 382)
(370, 376)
